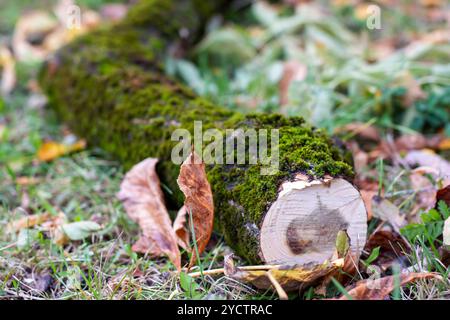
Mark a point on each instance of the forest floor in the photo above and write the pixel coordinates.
(385, 93)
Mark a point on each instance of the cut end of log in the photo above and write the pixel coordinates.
(302, 224)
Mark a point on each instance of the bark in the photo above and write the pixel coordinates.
(110, 87)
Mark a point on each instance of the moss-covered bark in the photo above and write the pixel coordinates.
(110, 88)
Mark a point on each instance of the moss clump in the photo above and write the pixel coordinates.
(110, 88)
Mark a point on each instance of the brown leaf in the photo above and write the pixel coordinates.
(199, 201)
(28, 222)
(392, 247)
(363, 130)
(45, 222)
(416, 141)
(385, 210)
(181, 230)
(228, 265)
(379, 289)
(141, 195)
(367, 196)
(426, 192)
(360, 157)
(54, 227)
(292, 71)
(444, 195)
(414, 91)
(428, 158)
(349, 269)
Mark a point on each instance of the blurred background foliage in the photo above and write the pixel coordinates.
(321, 61)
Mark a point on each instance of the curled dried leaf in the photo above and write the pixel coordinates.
(28, 222)
(379, 289)
(199, 201)
(143, 199)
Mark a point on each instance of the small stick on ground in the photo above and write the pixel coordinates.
(281, 293)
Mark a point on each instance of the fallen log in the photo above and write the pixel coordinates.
(110, 87)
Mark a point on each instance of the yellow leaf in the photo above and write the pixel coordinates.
(52, 150)
(444, 144)
(290, 278)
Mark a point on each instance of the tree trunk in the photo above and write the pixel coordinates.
(109, 86)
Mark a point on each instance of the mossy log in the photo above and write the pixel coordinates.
(110, 87)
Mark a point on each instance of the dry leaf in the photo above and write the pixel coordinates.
(426, 192)
(417, 141)
(431, 3)
(36, 25)
(385, 210)
(430, 159)
(414, 91)
(28, 222)
(179, 225)
(379, 289)
(360, 157)
(292, 71)
(228, 265)
(114, 11)
(52, 150)
(392, 247)
(367, 196)
(199, 201)
(143, 199)
(444, 144)
(290, 278)
(27, 181)
(45, 222)
(360, 129)
(54, 227)
(8, 76)
(444, 195)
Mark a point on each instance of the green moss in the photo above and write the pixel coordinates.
(242, 195)
(110, 88)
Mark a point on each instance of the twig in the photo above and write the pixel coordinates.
(281, 293)
(8, 246)
(222, 270)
